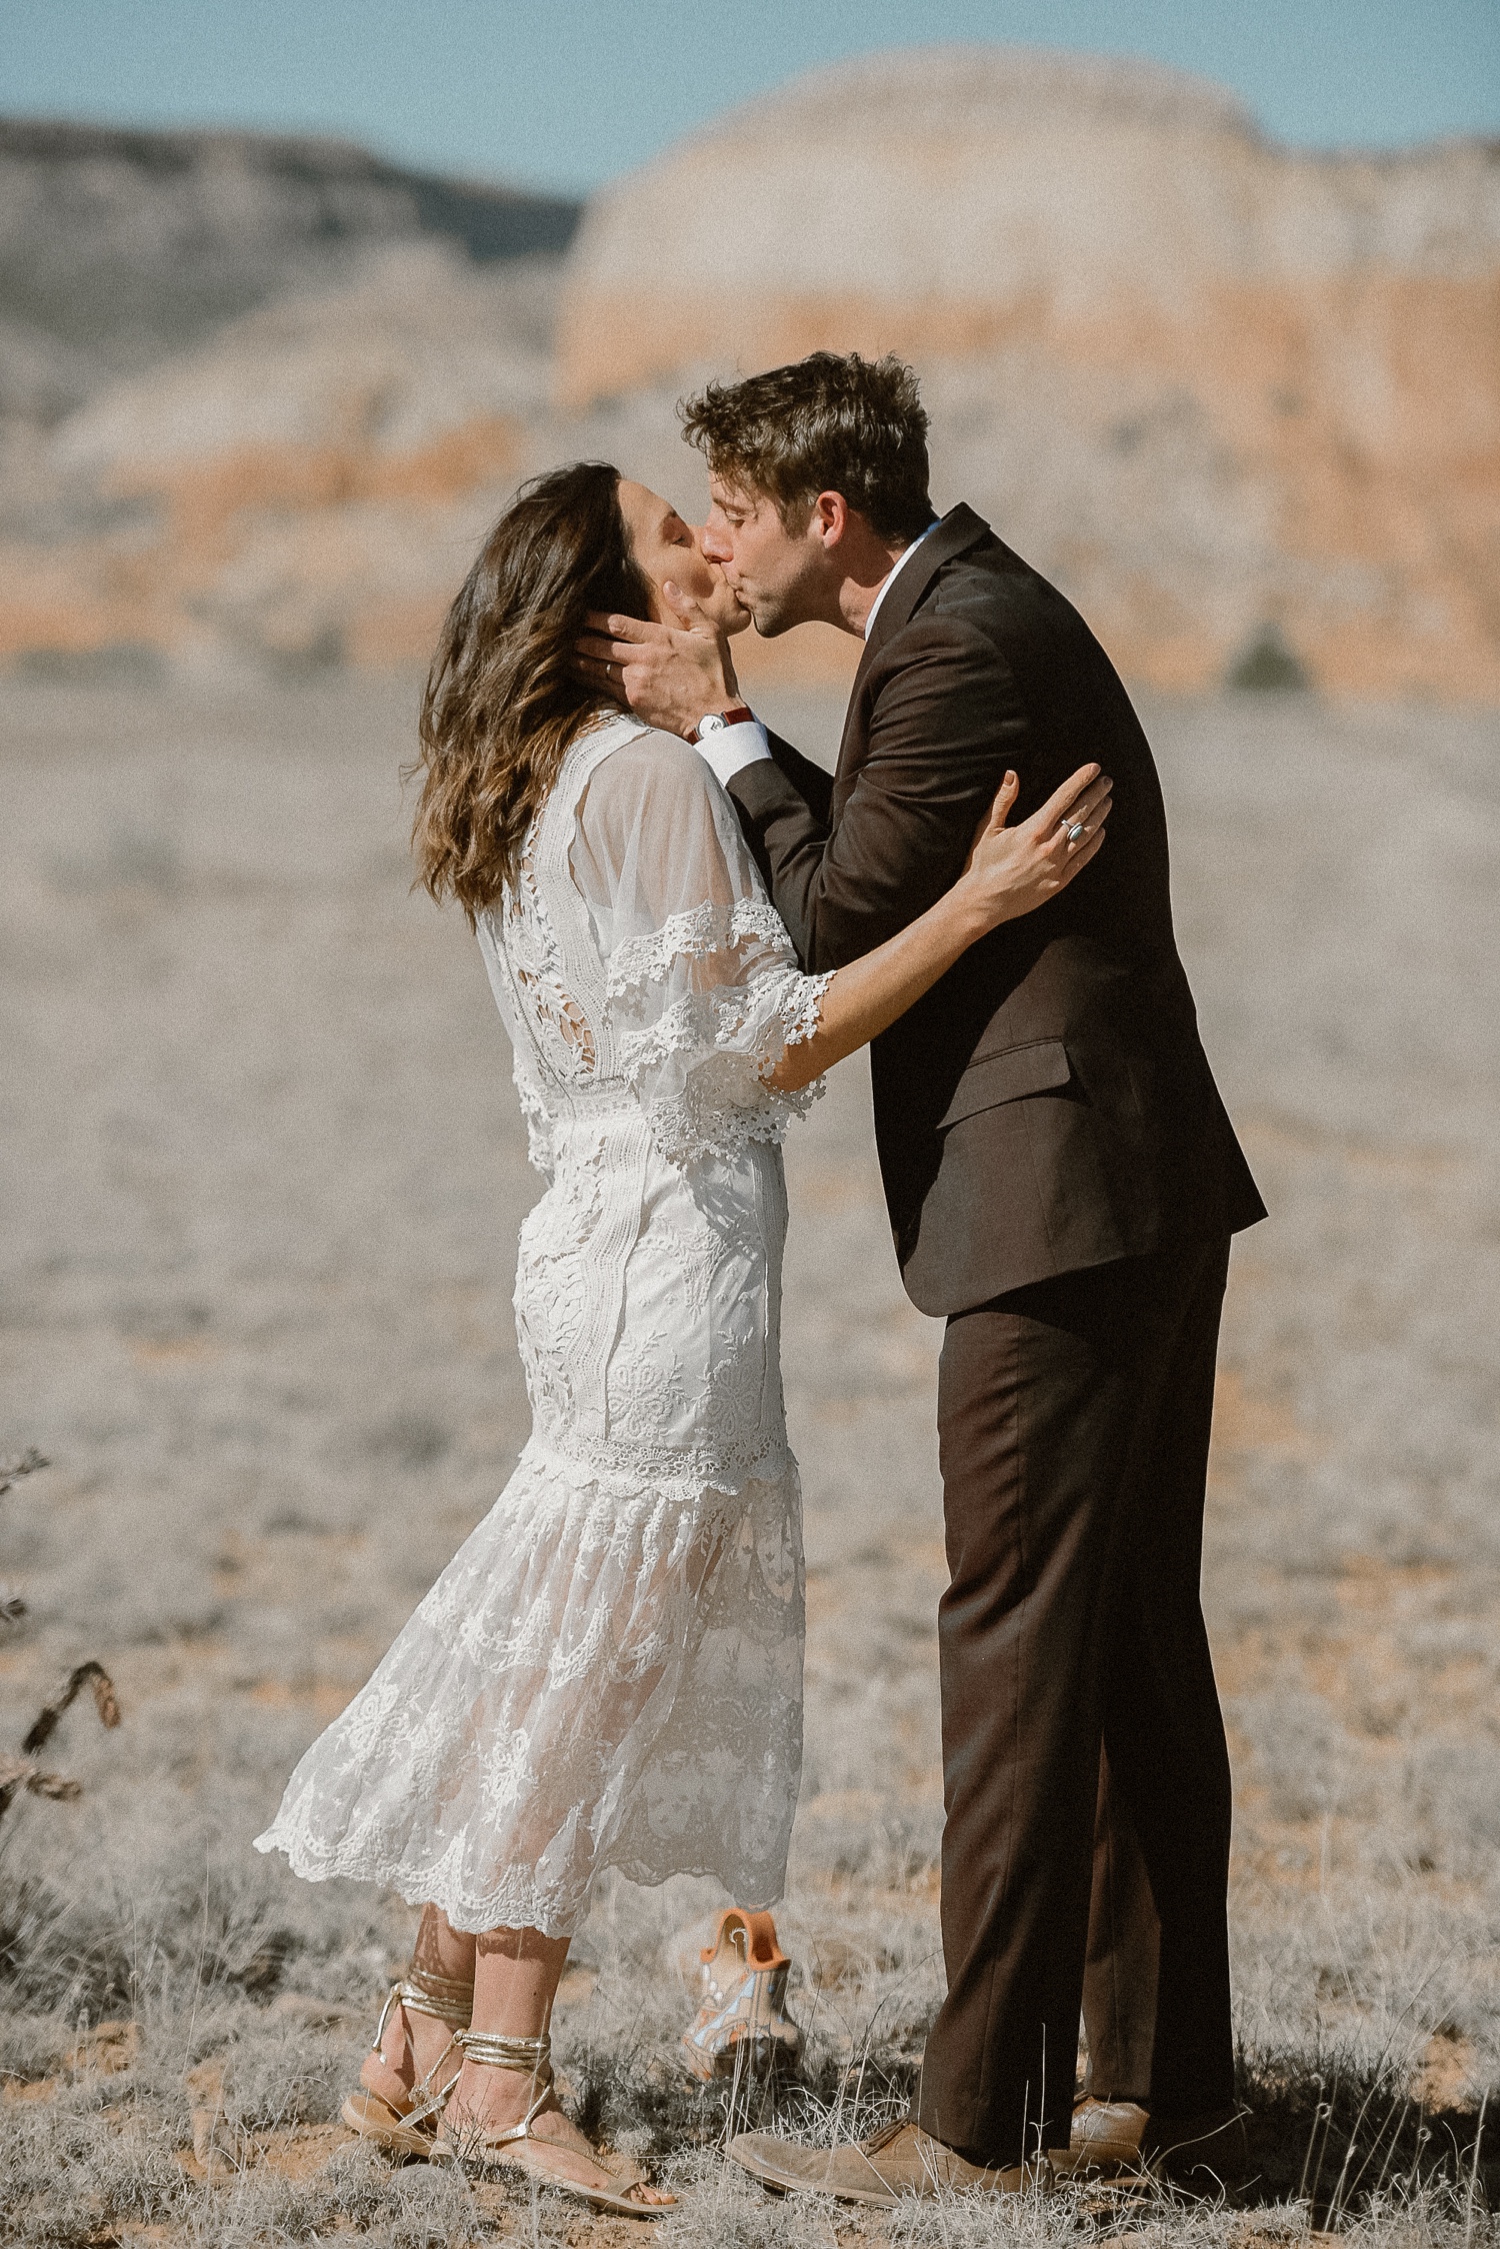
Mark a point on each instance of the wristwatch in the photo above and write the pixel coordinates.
(714, 722)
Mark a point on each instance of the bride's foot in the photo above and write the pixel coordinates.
(407, 2074)
(411, 2047)
(493, 2100)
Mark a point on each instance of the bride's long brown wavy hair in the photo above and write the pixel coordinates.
(503, 702)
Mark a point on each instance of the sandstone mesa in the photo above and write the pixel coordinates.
(1226, 393)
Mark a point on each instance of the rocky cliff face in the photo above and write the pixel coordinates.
(298, 490)
(244, 384)
(1243, 404)
(1221, 390)
(118, 248)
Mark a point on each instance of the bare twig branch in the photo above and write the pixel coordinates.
(11, 1471)
(56, 1785)
(22, 1772)
(19, 1772)
(88, 1674)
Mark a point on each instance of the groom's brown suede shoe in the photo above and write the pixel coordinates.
(1204, 2154)
(1105, 2140)
(902, 2159)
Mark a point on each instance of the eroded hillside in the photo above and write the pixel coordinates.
(1242, 402)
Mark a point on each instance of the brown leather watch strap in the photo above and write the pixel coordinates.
(736, 715)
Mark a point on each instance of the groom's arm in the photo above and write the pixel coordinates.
(730, 752)
(813, 783)
(785, 804)
(945, 724)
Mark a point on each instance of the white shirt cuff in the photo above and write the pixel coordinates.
(735, 746)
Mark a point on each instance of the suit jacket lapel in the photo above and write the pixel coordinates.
(959, 530)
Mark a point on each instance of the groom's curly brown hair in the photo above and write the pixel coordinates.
(832, 422)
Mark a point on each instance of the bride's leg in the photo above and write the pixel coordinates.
(441, 1949)
(413, 2043)
(516, 1974)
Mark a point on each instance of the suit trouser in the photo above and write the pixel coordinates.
(1085, 1774)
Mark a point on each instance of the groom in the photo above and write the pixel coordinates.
(1062, 1183)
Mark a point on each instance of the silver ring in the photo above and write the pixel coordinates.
(1075, 831)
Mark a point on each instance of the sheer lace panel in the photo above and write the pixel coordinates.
(702, 988)
(537, 965)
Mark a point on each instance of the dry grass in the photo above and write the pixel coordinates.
(255, 1311)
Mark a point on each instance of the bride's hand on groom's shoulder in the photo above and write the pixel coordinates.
(1011, 871)
(669, 675)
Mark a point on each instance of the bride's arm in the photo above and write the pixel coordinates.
(1010, 871)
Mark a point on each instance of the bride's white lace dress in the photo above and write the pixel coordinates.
(609, 1671)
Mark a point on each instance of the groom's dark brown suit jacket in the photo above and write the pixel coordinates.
(1048, 1106)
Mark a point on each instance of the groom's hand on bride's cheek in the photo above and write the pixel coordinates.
(667, 675)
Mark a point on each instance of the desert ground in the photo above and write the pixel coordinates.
(264, 1173)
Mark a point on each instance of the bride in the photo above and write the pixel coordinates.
(609, 1671)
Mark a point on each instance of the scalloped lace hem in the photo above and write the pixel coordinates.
(685, 1136)
(709, 928)
(800, 1007)
(607, 1674)
(740, 1032)
(780, 1007)
(518, 1902)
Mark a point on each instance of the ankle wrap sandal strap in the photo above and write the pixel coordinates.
(447, 1998)
(533, 2056)
(525, 2150)
(449, 2001)
(529, 2057)
(407, 2125)
(419, 1993)
(428, 2097)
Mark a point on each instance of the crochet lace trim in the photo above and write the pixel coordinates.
(694, 935)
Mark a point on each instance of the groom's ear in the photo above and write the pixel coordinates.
(830, 516)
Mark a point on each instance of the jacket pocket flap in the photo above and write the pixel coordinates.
(1008, 1076)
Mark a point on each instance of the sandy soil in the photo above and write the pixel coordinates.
(265, 1170)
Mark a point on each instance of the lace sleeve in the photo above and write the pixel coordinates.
(703, 990)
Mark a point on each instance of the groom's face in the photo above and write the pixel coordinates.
(778, 572)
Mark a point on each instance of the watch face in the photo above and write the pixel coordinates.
(712, 724)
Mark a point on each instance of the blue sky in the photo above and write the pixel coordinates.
(567, 93)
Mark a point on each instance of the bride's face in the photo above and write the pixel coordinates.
(667, 548)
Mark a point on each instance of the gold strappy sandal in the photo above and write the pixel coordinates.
(519, 2148)
(402, 2122)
